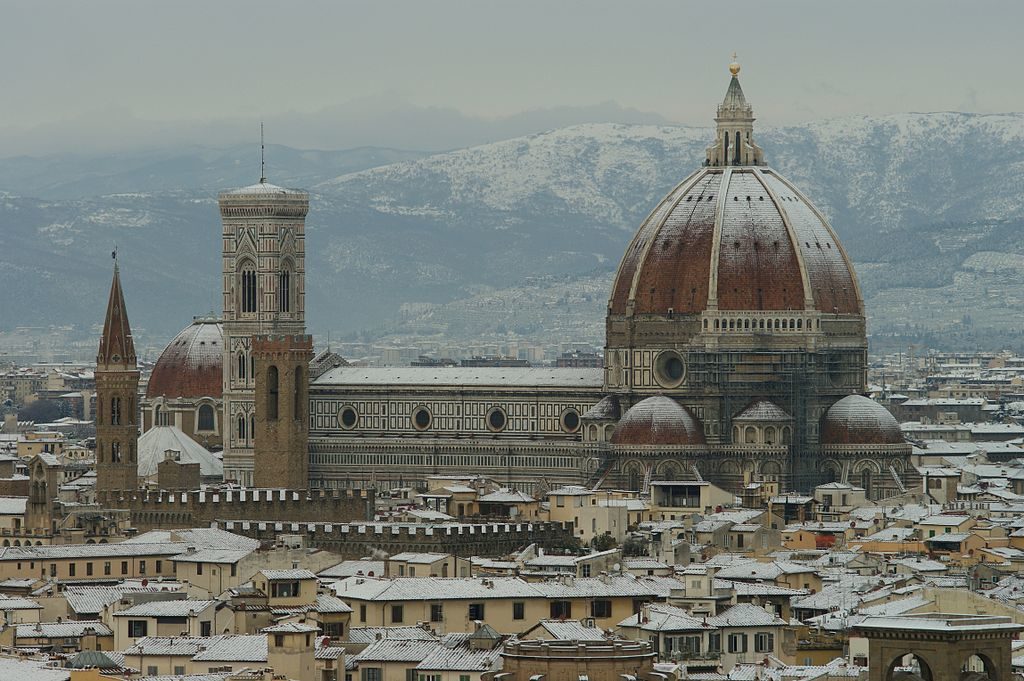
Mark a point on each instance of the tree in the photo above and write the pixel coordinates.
(40, 411)
(603, 542)
(634, 546)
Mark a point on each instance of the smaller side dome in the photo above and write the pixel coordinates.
(762, 410)
(606, 410)
(859, 420)
(658, 420)
(192, 365)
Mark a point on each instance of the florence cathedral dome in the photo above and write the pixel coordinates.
(734, 235)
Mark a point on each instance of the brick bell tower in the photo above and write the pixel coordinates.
(117, 389)
(281, 453)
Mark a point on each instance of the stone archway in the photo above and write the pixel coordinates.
(909, 667)
(633, 474)
(978, 667)
(939, 647)
(670, 470)
(729, 468)
(866, 474)
(831, 470)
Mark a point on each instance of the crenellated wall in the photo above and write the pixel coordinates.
(167, 510)
(356, 540)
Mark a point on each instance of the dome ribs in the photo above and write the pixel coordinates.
(674, 272)
(658, 420)
(191, 365)
(758, 268)
(859, 420)
(621, 288)
(828, 271)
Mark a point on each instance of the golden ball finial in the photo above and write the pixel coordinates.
(734, 67)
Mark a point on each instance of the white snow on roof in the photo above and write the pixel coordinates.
(745, 615)
(13, 505)
(662, 617)
(234, 648)
(180, 608)
(464, 376)
(31, 670)
(156, 441)
(66, 629)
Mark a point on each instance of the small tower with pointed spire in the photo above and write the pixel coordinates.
(734, 139)
(117, 389)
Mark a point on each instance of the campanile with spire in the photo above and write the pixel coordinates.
(263, 260)
(117, 389)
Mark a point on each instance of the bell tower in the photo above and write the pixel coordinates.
(117, 389)
(263, 262)
(281, 455)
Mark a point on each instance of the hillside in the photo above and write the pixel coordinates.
(929, 206)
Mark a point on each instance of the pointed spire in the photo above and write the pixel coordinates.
(734, 120)
(734, 102)
(117, 349)
(263, 158)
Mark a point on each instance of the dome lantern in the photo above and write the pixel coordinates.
(734, 135)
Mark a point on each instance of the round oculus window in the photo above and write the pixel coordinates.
(348, 417)
(570, 420)
(496, 419)
(421, 418)
(670, 369)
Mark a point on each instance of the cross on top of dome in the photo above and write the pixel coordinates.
(734, 144)
(734, 67)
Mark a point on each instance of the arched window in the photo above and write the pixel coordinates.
(284, 291)
(205, 417)
(241, 366)
(241, 428)
(750, 435)
(158, 415)
(248, 289)
(738, 148)
(115, 411)
(272, 393)
(297, 395)
(115, 452)
(252, 427)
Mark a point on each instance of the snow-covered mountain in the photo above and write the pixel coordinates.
(930, 207)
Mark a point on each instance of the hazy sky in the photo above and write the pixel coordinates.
(115, 74)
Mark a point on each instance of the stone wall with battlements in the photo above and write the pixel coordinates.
(356, 540)
(167, 510)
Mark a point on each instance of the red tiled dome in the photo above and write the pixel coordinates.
(658, 420)
(859, 420)
(759, 235)
(192, 365)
